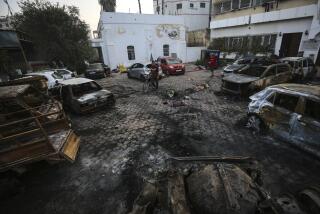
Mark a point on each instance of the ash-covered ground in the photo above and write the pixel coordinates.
(123, 146)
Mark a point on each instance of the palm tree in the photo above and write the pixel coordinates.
(108, 5)
(139, 6)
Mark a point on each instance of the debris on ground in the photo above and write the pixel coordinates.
(216, 185)
(170, 93)
(202, 86)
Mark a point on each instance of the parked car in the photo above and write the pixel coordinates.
(51, 76)
(246, 62)
(291, 111)
(82, 95)
(171, 65)
(303, 68)
(97, 71)
(255, 78)
(65, 73)
(140, 70)
(33, 128)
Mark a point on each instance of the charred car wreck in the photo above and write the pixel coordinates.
(33, 127)
(291, 111)
(255, 78)
(221, 185)
(83, 95)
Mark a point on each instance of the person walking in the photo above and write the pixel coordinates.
(155, 74)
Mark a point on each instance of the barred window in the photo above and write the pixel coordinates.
(131, 54)
(245, 3)
(179, 6)
(202, 5)
(166, 51)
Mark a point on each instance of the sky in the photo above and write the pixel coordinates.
(90, 9)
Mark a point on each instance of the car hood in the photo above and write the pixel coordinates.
(102, 94)
(233, 67)
(95, 70)
(240, 78)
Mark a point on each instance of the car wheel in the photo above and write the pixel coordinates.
(255, 123)
(142, 77)
(128, 74)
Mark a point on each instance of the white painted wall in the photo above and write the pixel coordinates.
(194, 53)
(147, 33)
(293, 20)
(196, 18)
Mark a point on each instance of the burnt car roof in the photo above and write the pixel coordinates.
(313, 90)
(7, 92)
(75, 81)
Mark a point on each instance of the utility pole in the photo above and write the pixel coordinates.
(139, 6)
(162, 5)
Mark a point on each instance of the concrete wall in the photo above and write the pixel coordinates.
(147, 33)
(196, 18)
(194, 53)
(304, 19)
(259, 9)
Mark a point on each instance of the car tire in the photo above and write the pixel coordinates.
(129, 76)
(255, 124)
(142, 77)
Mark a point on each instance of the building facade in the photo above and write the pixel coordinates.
(285, 28)
(125, 38)
(195, 12)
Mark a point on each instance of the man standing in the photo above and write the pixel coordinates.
(155, 74)
(212, 63)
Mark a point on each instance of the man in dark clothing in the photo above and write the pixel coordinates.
(155, 74)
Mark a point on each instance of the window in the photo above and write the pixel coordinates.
(312, 109)
(304, 63)
(131, 55)
(166, 50)
(179, 6)
(245, 3)
(191, 5)
(139, 65)
(286, 101)
(202, 5)
(282, 69)
(310, 62)
(271, 71)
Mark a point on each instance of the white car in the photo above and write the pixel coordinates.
(65, 73)
(52, 77)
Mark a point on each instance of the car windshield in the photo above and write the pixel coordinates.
(173, 61)
(85, 88)
(242, 61)
(292, 63)
(95, 66)
(56, 75)
(252, 71)
(63, 71)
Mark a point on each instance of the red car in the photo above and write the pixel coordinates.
(171, 65)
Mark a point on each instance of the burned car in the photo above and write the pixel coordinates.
(291, 111)
(255, 78)
(83, 95)
(97, 71)
(33, 127)
(246, 62)
(303, 68)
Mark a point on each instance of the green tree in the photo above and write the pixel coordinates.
(108, 5)
(57, 32)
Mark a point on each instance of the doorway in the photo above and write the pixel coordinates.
(290, 44)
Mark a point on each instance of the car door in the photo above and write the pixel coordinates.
(278, 111)
(307, 124)
(305, 68)
(267, 78)
(283, 74)
(131, 70)
(139, 70)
